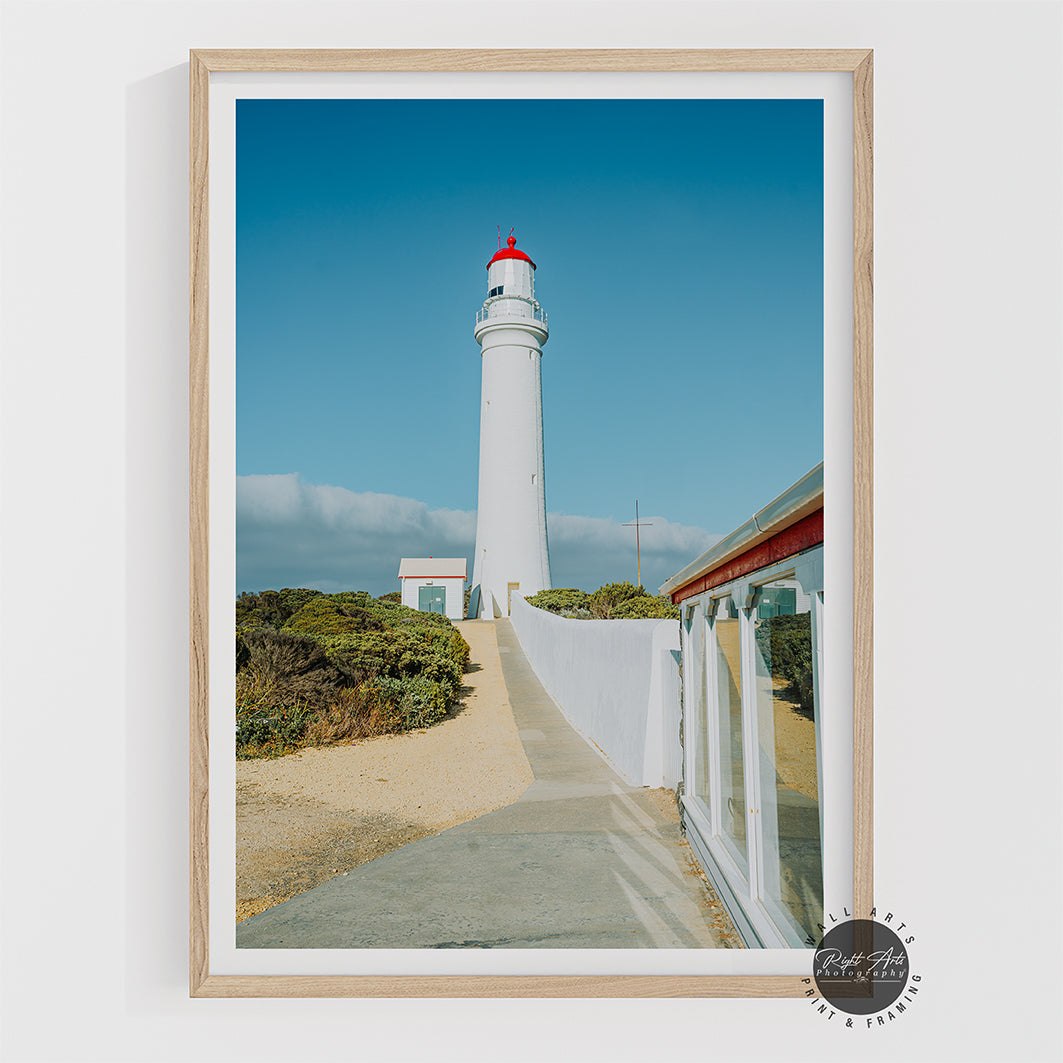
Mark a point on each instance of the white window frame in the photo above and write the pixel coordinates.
(759, 919)
(715, 603)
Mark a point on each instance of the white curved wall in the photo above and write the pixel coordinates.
(616, 681)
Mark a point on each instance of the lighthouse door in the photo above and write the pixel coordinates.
(432, 599)
(510, 588)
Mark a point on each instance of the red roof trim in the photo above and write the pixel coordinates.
(806, 533)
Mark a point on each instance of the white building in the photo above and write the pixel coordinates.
(754, 719)
(434, 584)
(511, 548)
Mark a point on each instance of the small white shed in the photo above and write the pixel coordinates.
(434, 584)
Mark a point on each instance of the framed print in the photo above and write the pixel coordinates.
(702, 222)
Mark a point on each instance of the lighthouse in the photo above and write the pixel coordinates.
(511, 550)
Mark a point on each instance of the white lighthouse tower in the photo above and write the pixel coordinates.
(511, 551)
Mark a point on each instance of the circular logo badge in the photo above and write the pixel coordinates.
(861, 967)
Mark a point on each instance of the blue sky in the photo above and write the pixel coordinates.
(679, 253)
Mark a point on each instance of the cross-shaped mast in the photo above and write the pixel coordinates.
(638, 553)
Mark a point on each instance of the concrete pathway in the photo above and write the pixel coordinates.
(581, 860)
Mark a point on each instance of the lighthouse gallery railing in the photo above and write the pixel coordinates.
(536, 313)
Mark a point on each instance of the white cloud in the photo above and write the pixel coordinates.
(586, 552)
(294, 534)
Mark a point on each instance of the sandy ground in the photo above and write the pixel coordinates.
(303, 818)
(795, 746)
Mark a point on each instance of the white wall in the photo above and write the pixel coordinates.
(617, 683)
(968, 410)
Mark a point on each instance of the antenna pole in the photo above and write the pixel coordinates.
(638, 550)
(638, 547)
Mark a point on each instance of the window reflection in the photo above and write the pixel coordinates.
(793, 863)
(729, 722)
(700, 720)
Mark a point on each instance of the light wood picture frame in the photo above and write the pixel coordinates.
(204, 63)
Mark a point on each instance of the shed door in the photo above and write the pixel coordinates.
(432, 599)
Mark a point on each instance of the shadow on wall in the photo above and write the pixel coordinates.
(617, 683)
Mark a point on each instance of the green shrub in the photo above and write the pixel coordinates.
(449, 643)
(424, 702)
(321, 618)
(265, 725)
(271, 608)
(646, 607)
(399, 653)
(404, 616)
(604, 602)
(412, 702)
(343, 666)
(612, 601)
(560, 600)
(252, 611)
(359, 655)
(359, 599)
(271, 732)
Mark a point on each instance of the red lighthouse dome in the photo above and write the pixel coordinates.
(511, 252)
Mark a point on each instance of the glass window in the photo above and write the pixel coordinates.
(777, 601)
(728, 708)
(792, 871)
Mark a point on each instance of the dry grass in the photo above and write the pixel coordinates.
(354, 713)
(269, 725)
